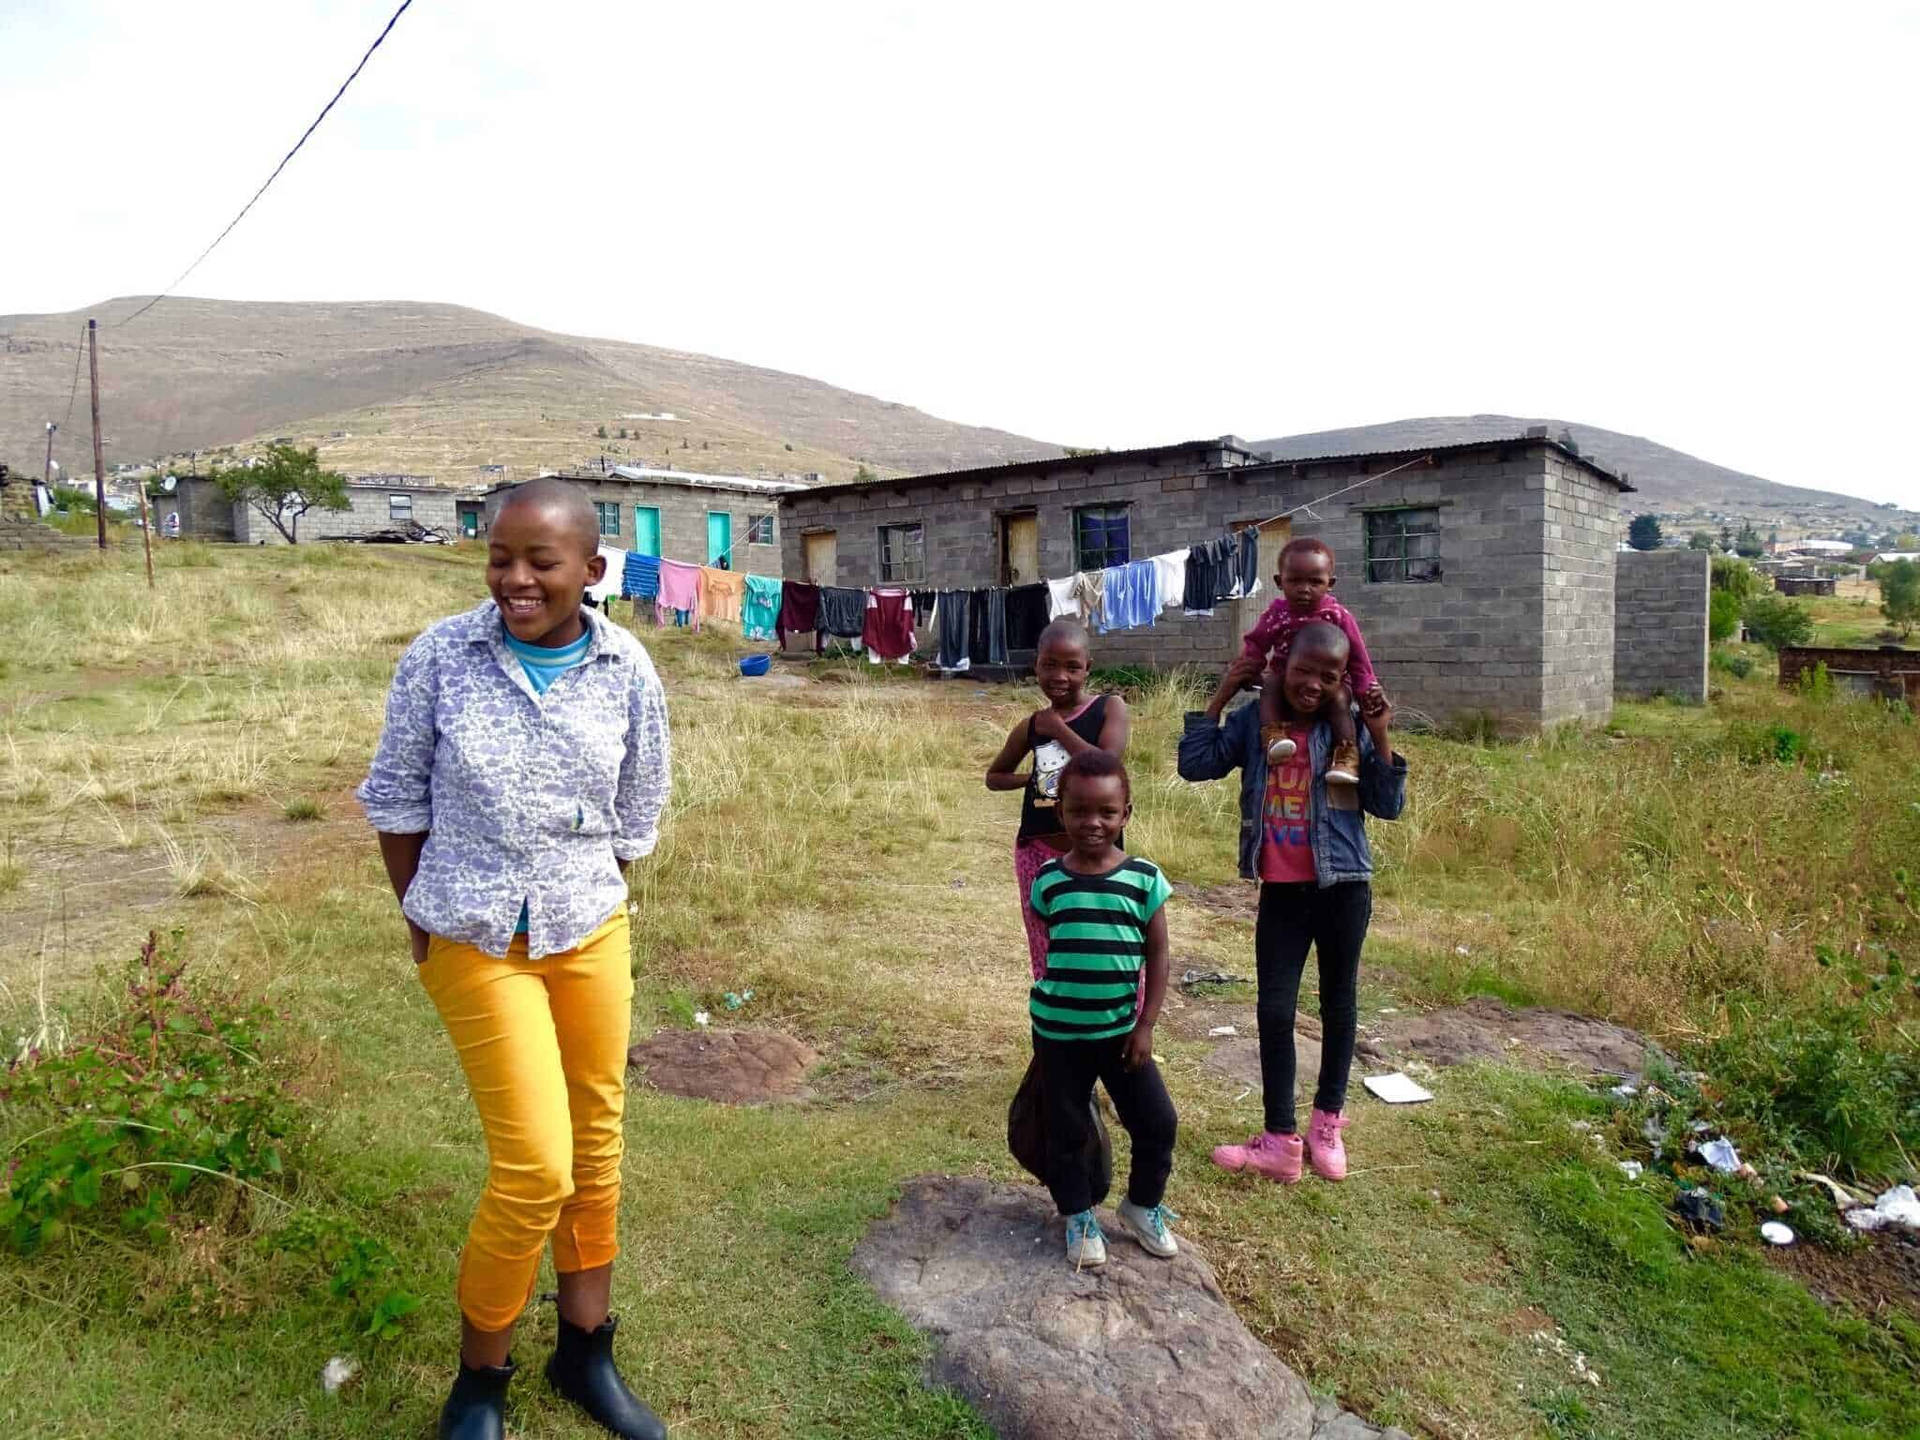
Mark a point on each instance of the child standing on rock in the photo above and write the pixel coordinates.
(1305, 840)
(1069, 724)
(1106, 925)
(523, 765)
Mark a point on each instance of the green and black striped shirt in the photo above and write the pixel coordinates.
(1096, 945)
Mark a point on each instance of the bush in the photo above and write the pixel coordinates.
(171, 1098)
(1723, 615)
(1735, 575)
(1775, 621)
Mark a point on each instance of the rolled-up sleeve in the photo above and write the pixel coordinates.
(646, 771)
(397, 793)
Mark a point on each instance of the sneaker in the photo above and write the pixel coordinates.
(1345, 769)
(1277, 1157)
(1324, 1147)
(1149, 1227)
(1280, 746)
(1086, 1243)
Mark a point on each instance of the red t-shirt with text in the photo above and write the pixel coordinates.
(1286, 825)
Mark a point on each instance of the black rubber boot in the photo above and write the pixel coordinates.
(582, 1370)
(477, 1408)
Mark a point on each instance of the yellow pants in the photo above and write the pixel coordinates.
(544, 1046)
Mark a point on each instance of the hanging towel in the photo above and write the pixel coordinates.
(641, 576)
(680, 590)
(1172, 568)
(799, 612)
(615, 576)
(950, 619)
(843, 612)
(1089, 588)
(996, 626)
(721, 592)
(1028, 609)
(888, 631)
(1062, 599)
(1130, 596)
(761, 611)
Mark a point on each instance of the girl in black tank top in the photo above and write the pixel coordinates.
(1039, 802)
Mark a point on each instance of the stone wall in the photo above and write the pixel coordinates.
(683, 519)
(1660, 623)
(22, 529)
(1517, 627)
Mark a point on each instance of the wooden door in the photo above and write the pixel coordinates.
(1274, 534)
(822, 549)
(1020, 548)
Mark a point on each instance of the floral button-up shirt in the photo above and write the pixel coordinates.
(524, 798)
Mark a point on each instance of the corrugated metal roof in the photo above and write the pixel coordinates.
(1011, 468)
(1452, 448)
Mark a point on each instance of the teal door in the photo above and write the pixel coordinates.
(646, 530)
(719, 536)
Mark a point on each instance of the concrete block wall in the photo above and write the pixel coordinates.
(1581, 528)
(683, 519)
(1660, 623)
(370, 512)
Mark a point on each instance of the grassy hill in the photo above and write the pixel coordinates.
(1669, 481)
(440, 390)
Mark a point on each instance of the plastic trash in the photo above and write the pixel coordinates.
(733, 1001)
(1774, 1233)
(1624, 1092)
(1212, 977)
(1700, 1210)
(1865, 1217)
(1219, 1032)
(702, 1019)
(1631, 1169)
(1900, 1206)
(1396, 1089)
(339, 1371)
(1720, 1154)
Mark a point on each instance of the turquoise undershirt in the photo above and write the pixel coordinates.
(544, 664)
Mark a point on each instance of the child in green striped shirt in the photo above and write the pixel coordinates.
(1093, 1018)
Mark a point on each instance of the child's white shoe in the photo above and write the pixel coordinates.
(1280, 746)
(1149, 1227)
(1086, 1242)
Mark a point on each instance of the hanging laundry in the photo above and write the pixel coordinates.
(888, 631)
(843, 612)
(1028, 610)
(979, 647)
(923, 603)
(1248, 562)
(799, 612)
(679, 590)
(1131, 596)
(760, 614)
(950, 620)
(614, 576)
(1089, 589)
(1197, 595)
(721, 592)
(640, 576)
(1063, 599)
(996, 626)
(1226, 568)
(1172, 568)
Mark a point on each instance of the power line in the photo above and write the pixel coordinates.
(276, 169)
(74, 389)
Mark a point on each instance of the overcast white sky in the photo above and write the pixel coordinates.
(1101, 224)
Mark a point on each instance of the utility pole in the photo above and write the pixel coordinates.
(46, 475)
(99, 464)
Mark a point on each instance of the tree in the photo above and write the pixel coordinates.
(599, 432)
(1726, 539)
(1644, 532)
(1699, 540)
(864, 476)
(1905, 540)
(1776, 621)
(1748, 543)
(284, 485)
(1736, 577)
(1723, 615)
(1899, 582)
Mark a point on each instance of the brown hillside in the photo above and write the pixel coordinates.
(439, 389)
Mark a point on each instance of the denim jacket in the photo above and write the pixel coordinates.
(1210, 751)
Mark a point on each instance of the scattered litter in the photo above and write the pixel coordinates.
(1700, 1209)
(1865, 1217)
(1212, 977)
(1243, 1095)
(633, 907)
(1720, 1154)
(1779, 1206)
(1396, 1089)
(1774, 1233)
(1461, 950)
(1580, 1127)
(1389, 1010)
(733, 1001)
(1220, 1032)
(1656, 1134)
(1843, 1198)
(1624, 1092)
(339, 1371)
(1631, 1169)
(959, 882)
(1544, 1340)
(702, 1019)
(1898, 1206)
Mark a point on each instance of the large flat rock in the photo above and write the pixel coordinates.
(731, 1067)
(1145, 1349)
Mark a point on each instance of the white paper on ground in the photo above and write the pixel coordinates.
(1218, 1031)
(1396, 1089)
(1774, 1233)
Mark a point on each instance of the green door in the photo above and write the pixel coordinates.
(646, 530)
(719, 536)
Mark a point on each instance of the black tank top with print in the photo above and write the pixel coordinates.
(1040, 801)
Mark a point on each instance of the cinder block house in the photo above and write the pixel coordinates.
(681, 514)
(374, 503)
(1482, 573)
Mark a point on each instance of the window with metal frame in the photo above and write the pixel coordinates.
(609, 513)
(399, 507)
(760, 529)
(1100, 537)
(1403, 546)
(903, 553)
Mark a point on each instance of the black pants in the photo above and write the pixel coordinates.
(1146, 1110)
(1334, 922)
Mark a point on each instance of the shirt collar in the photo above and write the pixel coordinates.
(482, 626)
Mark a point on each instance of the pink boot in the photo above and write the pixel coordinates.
(1324, 1149)
(1275, 1156)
